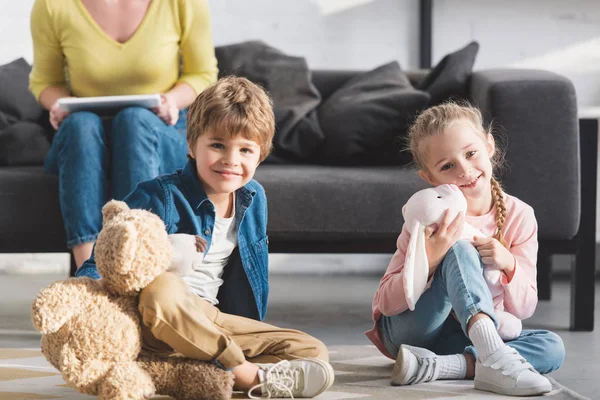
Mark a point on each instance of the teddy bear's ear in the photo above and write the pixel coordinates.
(125, 238)
(113, 208)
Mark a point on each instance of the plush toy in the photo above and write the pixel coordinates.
(188, 252)
(91, 329)
(427, 207)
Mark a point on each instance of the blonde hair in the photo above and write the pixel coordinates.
(436, 120)
(233, 106)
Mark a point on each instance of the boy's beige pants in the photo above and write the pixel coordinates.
(177, 321)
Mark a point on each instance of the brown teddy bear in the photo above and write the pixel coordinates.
(91, 329)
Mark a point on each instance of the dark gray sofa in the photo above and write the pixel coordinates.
(314, 208)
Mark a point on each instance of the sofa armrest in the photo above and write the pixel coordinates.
(537, 111)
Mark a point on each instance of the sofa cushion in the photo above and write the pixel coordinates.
(332, 202)
(23, 143)
(288, 81)
(30, 220)
(364, 119)
(450, 77)
(16, 101)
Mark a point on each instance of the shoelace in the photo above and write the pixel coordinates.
(509, 361)
(427, 371)
(280, 381)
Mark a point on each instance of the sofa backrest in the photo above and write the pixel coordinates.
(328, 81)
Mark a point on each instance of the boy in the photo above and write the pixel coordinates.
(229, 132)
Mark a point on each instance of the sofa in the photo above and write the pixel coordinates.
(316, 208)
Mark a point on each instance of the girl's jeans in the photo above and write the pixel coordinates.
(458, 285)
(97, 160)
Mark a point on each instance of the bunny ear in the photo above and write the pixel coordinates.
(409, 267)
(416, 265)
(404, 212)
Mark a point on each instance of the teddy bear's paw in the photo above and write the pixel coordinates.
(126, 382)
(199, 380)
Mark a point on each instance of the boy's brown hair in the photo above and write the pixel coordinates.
(233, 106)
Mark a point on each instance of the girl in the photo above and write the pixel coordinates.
(453, 323)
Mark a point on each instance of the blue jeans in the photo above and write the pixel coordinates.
(458, 285)
(97, 160)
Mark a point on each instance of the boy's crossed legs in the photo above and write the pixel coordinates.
(175, 320)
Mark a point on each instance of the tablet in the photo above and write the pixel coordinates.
(108, 102)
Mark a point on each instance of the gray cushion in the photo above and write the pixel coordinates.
(16, 101)
(23, 143)
(450, 77)
(364, 119)
(321, 202)
(30, 217)
(22, 140)
(288, 81)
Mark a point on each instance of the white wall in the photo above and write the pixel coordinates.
(548, 34)
(330, 34)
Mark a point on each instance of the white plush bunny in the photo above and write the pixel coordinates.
(427, 207)
(188, 252)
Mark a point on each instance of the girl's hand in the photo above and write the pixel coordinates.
(439, 239)
(167, 111)
(56, 115)
(494, 255)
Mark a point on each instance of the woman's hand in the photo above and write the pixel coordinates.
(494, 255)
(439, 239)
(57, 116)
(168, 110)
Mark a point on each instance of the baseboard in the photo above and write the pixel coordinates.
(279, 263)
(35, 263)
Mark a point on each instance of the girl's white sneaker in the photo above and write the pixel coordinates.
(506, 372)
(415, 365)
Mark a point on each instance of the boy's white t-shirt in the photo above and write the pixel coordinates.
(206, 280)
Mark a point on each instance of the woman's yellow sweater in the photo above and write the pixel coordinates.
(172, 44)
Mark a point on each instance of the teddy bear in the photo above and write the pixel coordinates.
(427, 207)
(91, 329)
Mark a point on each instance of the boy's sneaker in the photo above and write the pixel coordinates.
(307, 377)
(506, 372)
(415, 365)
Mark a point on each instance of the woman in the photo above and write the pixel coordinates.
(115, 47)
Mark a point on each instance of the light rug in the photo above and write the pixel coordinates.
(361, 373)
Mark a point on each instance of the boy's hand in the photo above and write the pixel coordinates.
(167, 110)
(494, 255)
(201, 244)
(439, 239)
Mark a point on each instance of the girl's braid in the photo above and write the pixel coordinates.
(498, 201)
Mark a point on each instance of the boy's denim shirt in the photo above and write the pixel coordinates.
(181, 202)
